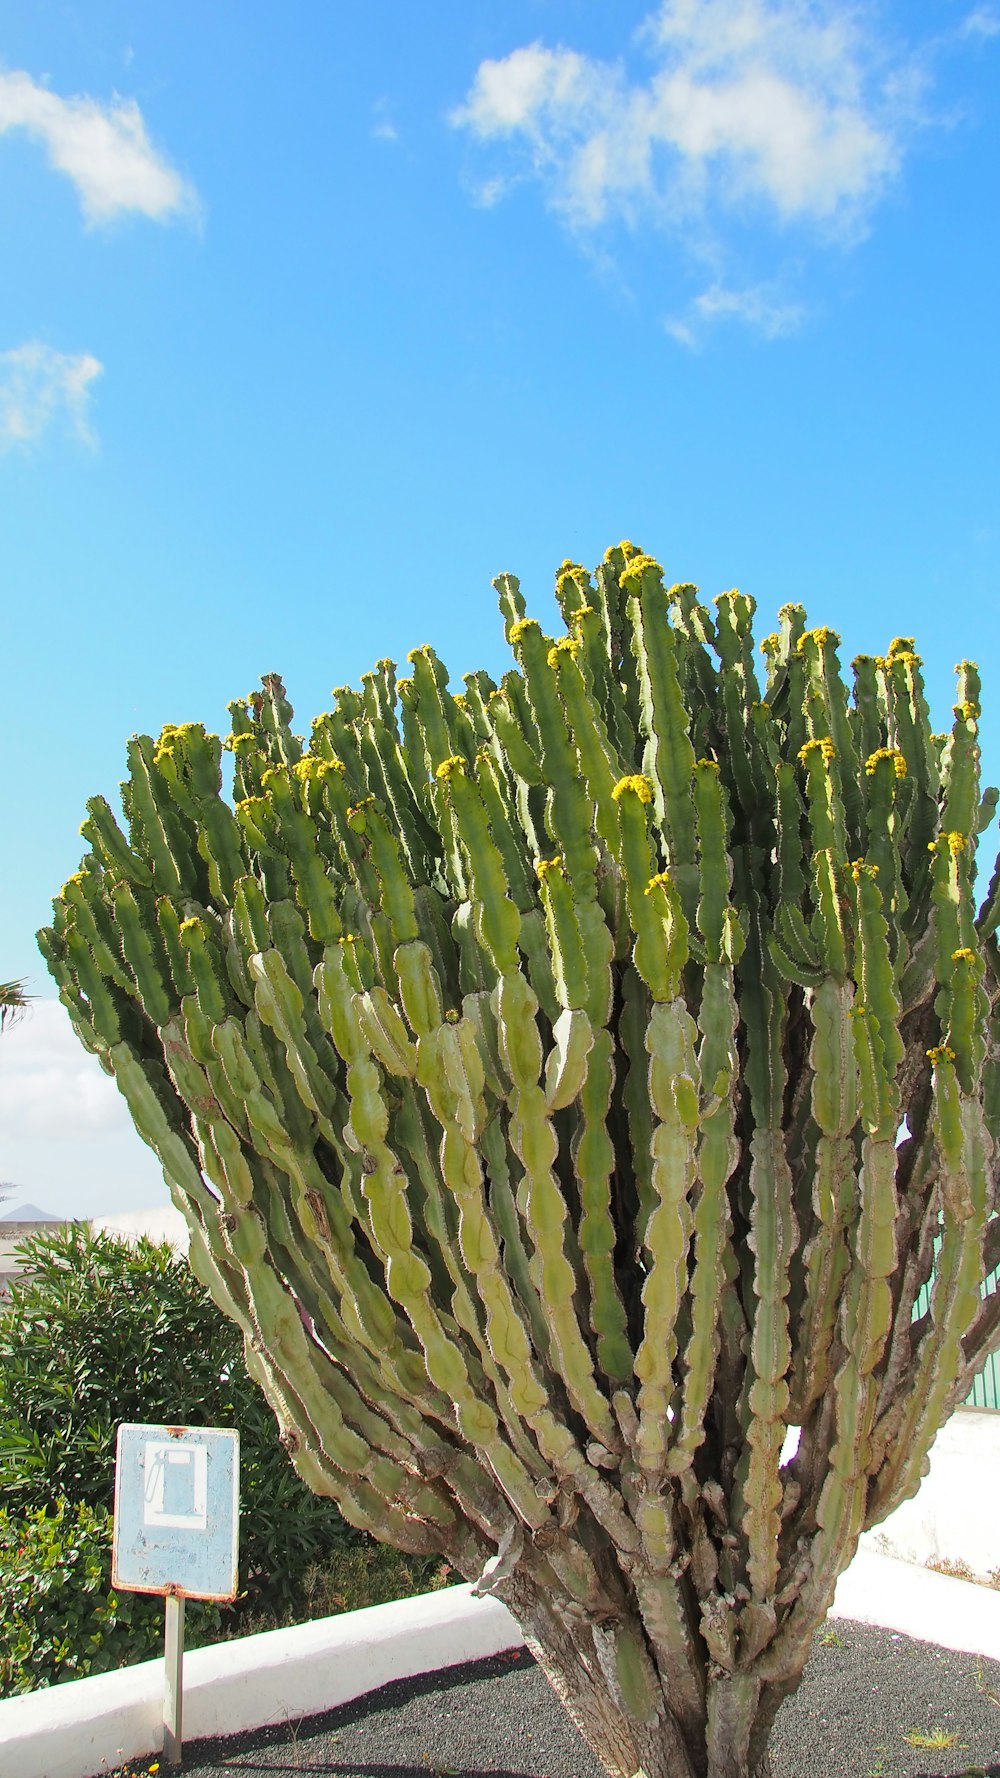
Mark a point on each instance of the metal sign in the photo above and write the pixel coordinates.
(177, 1496)
(176, 1511)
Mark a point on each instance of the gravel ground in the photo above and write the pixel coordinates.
(873, 1704)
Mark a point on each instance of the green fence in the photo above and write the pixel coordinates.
(986, 1388)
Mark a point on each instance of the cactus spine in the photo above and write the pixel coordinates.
(529, 1065)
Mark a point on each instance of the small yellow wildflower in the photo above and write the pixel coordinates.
(638, 784)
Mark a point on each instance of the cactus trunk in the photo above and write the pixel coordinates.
(530, 1065)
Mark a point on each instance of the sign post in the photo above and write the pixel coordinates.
(176, 1533)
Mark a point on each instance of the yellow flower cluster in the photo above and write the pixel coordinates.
(454, 763)
(662, 880)
(565, 645)
(547, 865)
(955, 842)
(820, 636)
(900, 645)
(940, 1053)
(893, 753)
(821, 744)
(963, 955)
(639, 785)
(191, 924)
(628, 550)
(636, 567)
(711, 765)
(313, 769)
(522, 626)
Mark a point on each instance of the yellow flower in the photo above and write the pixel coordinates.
(566, 645)
(940, 1053)
(522, 626)
(963, 955)
(893, 753)
(662, 880)
(455, 763)
(820, 637)
(819, 744)
(547, 865)
(638, 784)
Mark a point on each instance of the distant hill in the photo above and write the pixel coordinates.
(28, 1213)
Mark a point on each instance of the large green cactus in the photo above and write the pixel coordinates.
(529, 1064)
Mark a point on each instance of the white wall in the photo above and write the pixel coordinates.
(954, 1519)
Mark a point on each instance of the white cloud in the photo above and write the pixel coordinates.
(758, 306)
(384, 127)
(50, 1086)
(39, 386)
(781, 103)
(982, 21)
(66, 1139)
(104, 149)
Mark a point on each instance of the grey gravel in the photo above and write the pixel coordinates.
(865, 1692)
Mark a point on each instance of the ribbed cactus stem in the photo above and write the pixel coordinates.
(531, 1065)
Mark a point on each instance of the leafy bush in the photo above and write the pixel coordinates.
(59, 1617)
(99, 1331)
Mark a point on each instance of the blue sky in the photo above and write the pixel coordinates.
(313, 319)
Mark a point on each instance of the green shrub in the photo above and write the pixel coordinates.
(59, 1616)
(98, 1332)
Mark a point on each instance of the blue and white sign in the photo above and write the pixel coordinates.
(177, 1511)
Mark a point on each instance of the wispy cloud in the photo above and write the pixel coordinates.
(774, 100)
(384, 128)
(50, 1087)
(982, 21)
(104, 149)
(40, 387)
(789, 113)
(760, 307)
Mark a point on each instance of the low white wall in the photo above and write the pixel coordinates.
(91, 1726)
(954, 1518)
